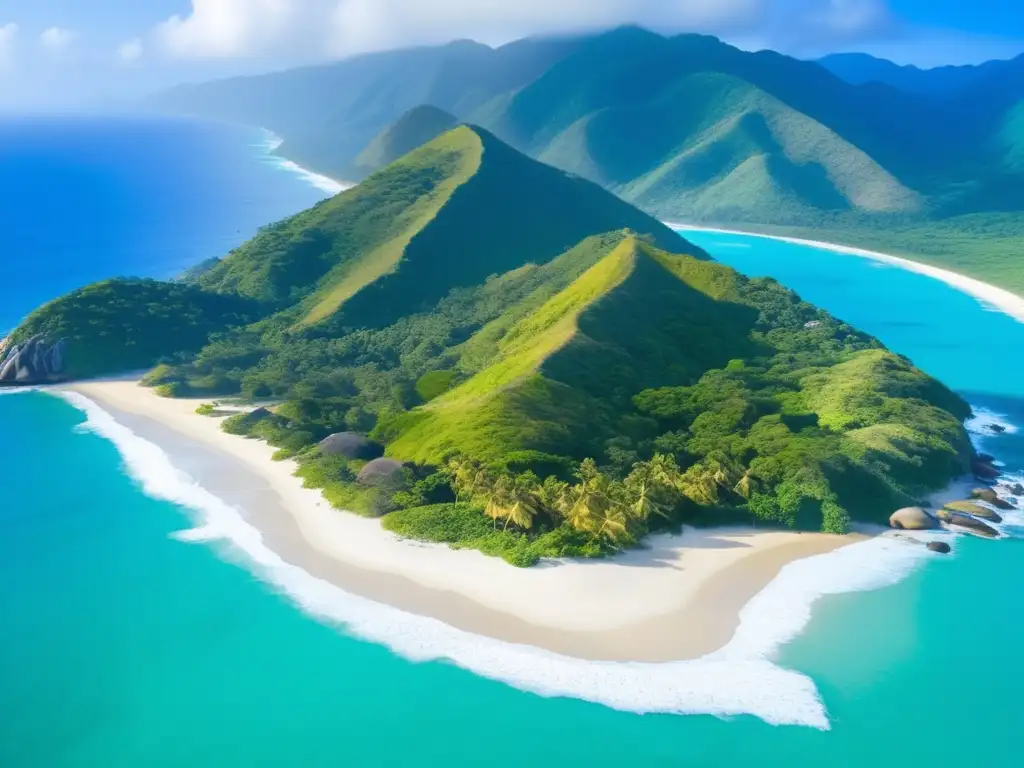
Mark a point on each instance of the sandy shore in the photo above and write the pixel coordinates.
(1003, 300)
(680, 598)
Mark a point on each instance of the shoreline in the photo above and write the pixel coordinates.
(1001, 299)
(643, 605)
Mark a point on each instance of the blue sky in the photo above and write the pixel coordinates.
(62, 49)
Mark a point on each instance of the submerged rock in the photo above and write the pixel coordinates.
(970, 508)
(913, 519)
(939, 546)
(997, 428)
(972, 524)
(990, 496)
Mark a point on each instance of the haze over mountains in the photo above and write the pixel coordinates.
(686, 127)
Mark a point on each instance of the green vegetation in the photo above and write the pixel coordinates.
(984, 246)
(556, 375)
(415, 128)
(126, 325)
(692, 129)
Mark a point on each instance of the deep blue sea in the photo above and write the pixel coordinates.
(82, 199)
(123, 645)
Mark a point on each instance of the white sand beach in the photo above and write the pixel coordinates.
(999, 298)
(679, 598)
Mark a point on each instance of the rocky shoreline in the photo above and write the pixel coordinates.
(977, 515)
(36, 361)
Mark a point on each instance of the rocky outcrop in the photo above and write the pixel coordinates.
(1017, 489)
(991, 497)
(972, 524)
(984, 469)
(378, 471)
(350, 445)
(913, 519)
(970, 508)
(36, 361)
(939, 546)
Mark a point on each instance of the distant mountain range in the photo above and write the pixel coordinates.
(686, 127)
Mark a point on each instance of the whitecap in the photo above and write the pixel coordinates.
(979, 425)
(742, 678)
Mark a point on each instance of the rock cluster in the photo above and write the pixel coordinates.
(989, 496)
(35, 361)
(972, 524)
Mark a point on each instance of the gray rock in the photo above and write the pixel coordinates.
(1017, 489)
(350, 445)
(378, 470)
(970, 508)
(913, 519)
(984, 470)
(33, 362)
(990, 497)
(939, 546)
(972, 524)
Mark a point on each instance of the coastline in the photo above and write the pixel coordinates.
(1000, 299)
(679, 598)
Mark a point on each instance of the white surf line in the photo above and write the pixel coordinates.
(741, 678)
(321, 182)
(998, 298)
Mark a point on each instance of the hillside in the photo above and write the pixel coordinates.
(415, 128)
(944, 82)
(328, 114)
(562, 381)
(549, 370)
(442, 217)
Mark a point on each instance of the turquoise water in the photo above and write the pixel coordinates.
(123, 646)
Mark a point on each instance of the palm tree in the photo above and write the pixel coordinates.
(500, 498)
(513, 500)
(586, 501)
(612, 522)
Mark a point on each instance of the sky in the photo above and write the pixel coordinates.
(65, 51)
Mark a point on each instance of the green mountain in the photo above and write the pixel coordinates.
(414, 129)
(442, 217)
(549, 370)
(328, 114)
(946, 81)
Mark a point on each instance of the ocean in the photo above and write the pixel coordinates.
(125, 643)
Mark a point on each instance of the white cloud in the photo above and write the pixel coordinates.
(310, 28)
(8, 34)
(56, 40)
(130, 51)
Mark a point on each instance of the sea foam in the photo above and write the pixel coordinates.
(323, 183)
(742, 678)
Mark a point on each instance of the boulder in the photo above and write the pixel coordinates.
(972, 524)
(350, 445)
(991, 497)
(984, 470)
(997, 428)
(1017, 489)
(378, 470)
(939, 546)
(913, 519)
(970, 508)
(34, 362)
